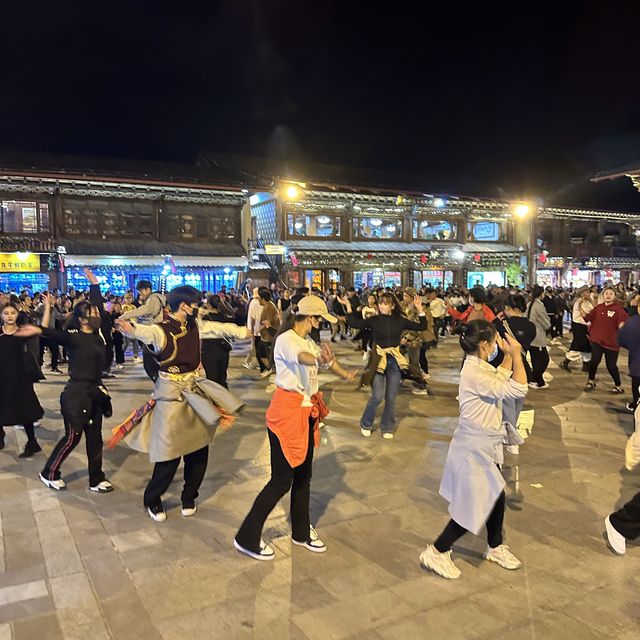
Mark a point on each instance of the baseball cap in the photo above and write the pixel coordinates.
(314, 306)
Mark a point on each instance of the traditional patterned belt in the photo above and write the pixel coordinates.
(177, 376)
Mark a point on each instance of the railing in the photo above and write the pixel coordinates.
(27, 244)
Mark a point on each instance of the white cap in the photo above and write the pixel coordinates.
(314, 306)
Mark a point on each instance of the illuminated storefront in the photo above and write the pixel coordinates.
(433, 278)
(486, 279)
(118, 275)
(20, 271)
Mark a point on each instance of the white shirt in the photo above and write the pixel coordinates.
(254, 313)
(586, 307)
(290, 374)
(482, 389)
(438, 307)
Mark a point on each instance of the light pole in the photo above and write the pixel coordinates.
(523, 211)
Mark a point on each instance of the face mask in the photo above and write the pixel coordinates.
(191, 318)
(494, 354)
(95, 322)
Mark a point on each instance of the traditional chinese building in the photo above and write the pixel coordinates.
(170, 224)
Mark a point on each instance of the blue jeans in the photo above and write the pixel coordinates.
(384, 385)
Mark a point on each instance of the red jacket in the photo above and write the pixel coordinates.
(605, 322)
(289, 420)
(463, 316)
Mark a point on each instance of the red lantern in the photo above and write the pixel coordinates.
(608, 273)
(574, 272)
(477, 257)
(370, 256)
(294, 260)
(423, 259)
(542, 258)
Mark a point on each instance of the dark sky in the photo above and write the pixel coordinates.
(518, 99)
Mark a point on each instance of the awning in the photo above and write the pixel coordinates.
(154, 261)
(489, 247)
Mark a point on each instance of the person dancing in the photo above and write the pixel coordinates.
(84, 401)
(18, 401)
(168, 428)
(606, 320)
(293, 420)
(386, 363)
(471, 481)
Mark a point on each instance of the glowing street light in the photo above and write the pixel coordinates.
(521, 210)
(292, 192)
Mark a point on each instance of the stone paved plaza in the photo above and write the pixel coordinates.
(83, 566)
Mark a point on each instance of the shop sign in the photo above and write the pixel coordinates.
(275, 249)
(19, 262)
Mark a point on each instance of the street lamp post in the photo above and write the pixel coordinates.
(523, 211)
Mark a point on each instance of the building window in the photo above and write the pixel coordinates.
(487, 231)
(377, 228)
(92, 218)
(434, 230)
(317, 226)
(18, 216)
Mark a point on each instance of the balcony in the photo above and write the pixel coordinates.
(28, 244)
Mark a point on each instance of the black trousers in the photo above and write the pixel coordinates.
(539, 362)
(215, 360)
(453, 531)
(118, 346)
(150, 364)
(558, 326)
(424, 363)
(28, 429)
(626, 521)
(195, 466)
(611, 358)
(72, 436)
(52, 345)
(283, 478)
(263, 352)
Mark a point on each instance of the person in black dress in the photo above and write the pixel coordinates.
(84, 400)
(18, 401)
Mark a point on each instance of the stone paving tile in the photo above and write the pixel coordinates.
(5, 632)
(44, 627)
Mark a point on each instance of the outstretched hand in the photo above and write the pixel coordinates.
(90, 276)
(417, 301)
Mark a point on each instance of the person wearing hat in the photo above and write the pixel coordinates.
(293, 418)
(580, 348)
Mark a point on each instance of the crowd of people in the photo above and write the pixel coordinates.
(183, 339)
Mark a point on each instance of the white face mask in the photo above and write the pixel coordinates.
(494, 354)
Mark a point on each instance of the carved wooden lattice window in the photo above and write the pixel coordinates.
(104, 219)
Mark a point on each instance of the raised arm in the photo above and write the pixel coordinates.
(152, 335)
(210, 329)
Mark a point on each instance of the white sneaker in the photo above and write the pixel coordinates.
(119, 366)
(314, 543)
(426, 376)
(365, 356)
(248, 365)
(103, 487)
(266, 373)
(387, 435)
(58, 485)
(419, 392)
(157, 515)
(187, 512)
(136, 360)
(513, 449)
(502, 556)
(366, 433)
(440, 563)
(616, 540)
(266, 552)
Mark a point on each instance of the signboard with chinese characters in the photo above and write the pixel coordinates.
(19, 262)
(274, 249)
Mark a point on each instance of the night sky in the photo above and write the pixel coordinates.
(511, 102)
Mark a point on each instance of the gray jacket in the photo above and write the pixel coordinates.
(150, 312)
(537, 313)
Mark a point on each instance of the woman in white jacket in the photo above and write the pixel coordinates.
(472, 482)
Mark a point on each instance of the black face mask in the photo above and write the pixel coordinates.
(192, 317)
(95, 322)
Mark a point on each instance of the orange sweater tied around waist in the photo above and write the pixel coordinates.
(289, 421)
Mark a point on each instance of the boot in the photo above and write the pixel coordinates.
(30, 448)
(565, 365)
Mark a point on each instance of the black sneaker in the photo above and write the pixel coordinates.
(1, 440)
(57, 372)
(630, 407)
(30, 449)
(565, 366)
